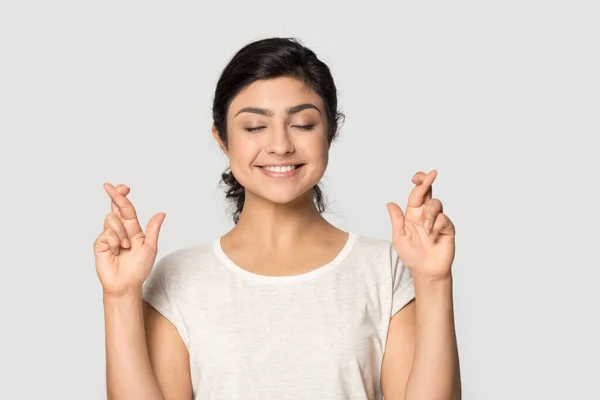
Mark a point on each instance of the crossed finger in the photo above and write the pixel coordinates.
(442, 225)
(433, 208)
(113, 222)
(125, 210)
(417, 179)
(423, 191)
(124, 190)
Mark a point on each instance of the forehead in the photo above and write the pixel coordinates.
(275, 94)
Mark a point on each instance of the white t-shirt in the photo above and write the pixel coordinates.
(318, 335)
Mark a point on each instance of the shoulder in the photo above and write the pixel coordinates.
(380, 252)
(370, 247)
(183, 261)
(188, 253)
(376, 255)
(372, 242)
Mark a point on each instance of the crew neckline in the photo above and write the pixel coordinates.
(348, 246)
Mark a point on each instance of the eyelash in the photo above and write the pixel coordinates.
(302, 127)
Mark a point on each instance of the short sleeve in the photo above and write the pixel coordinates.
(157, 291)
(154, 291)
(403, 289)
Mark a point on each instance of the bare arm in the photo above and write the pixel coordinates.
(144, 360)
(129, 374)
(169, 356)
(421, 356)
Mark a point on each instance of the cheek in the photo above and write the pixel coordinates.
(242, 154)
(241, 150)
(319, 149)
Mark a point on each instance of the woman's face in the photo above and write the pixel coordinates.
(274, 122)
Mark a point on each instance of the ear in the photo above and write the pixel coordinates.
(215, 134)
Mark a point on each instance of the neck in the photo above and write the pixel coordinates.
(265, 223)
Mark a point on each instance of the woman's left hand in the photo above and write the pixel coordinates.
(423, 235)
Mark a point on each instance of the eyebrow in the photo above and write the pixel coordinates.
(270, 113)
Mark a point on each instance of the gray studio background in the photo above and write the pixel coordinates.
(501, 97)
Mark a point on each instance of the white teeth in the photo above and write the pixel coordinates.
(281, 169)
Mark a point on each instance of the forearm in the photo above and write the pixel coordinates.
(129, 374)
(435, 371)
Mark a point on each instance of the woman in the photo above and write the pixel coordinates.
(284, 305)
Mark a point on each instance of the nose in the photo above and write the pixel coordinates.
(279, 142)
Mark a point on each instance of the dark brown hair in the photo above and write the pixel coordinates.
(267, 59)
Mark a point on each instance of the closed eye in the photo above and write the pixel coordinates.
(305, 127)
(301, 127)
(254, 129)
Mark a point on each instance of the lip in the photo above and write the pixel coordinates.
(285, 164)
(279, 175)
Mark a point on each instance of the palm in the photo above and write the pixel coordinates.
(120, 268)
(129, 268)
(423, 254)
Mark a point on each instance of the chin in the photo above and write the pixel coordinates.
(283, 196)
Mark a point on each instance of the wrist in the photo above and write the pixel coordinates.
(127, 295)
(431, 280)
(433, 290)
(126, 306)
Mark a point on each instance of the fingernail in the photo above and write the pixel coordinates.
(126, 243)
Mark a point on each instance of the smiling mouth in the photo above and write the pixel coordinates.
(287, 168)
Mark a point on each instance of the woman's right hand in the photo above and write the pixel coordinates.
(125, 254)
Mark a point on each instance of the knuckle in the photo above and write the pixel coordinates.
(127, 205)
(113, 233)
(432, 207)
(108, 231)
(442, 219)
(113, 241)
(116, 224)
(436, 204)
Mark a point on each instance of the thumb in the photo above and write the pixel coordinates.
(397, 218)
(153, 229)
